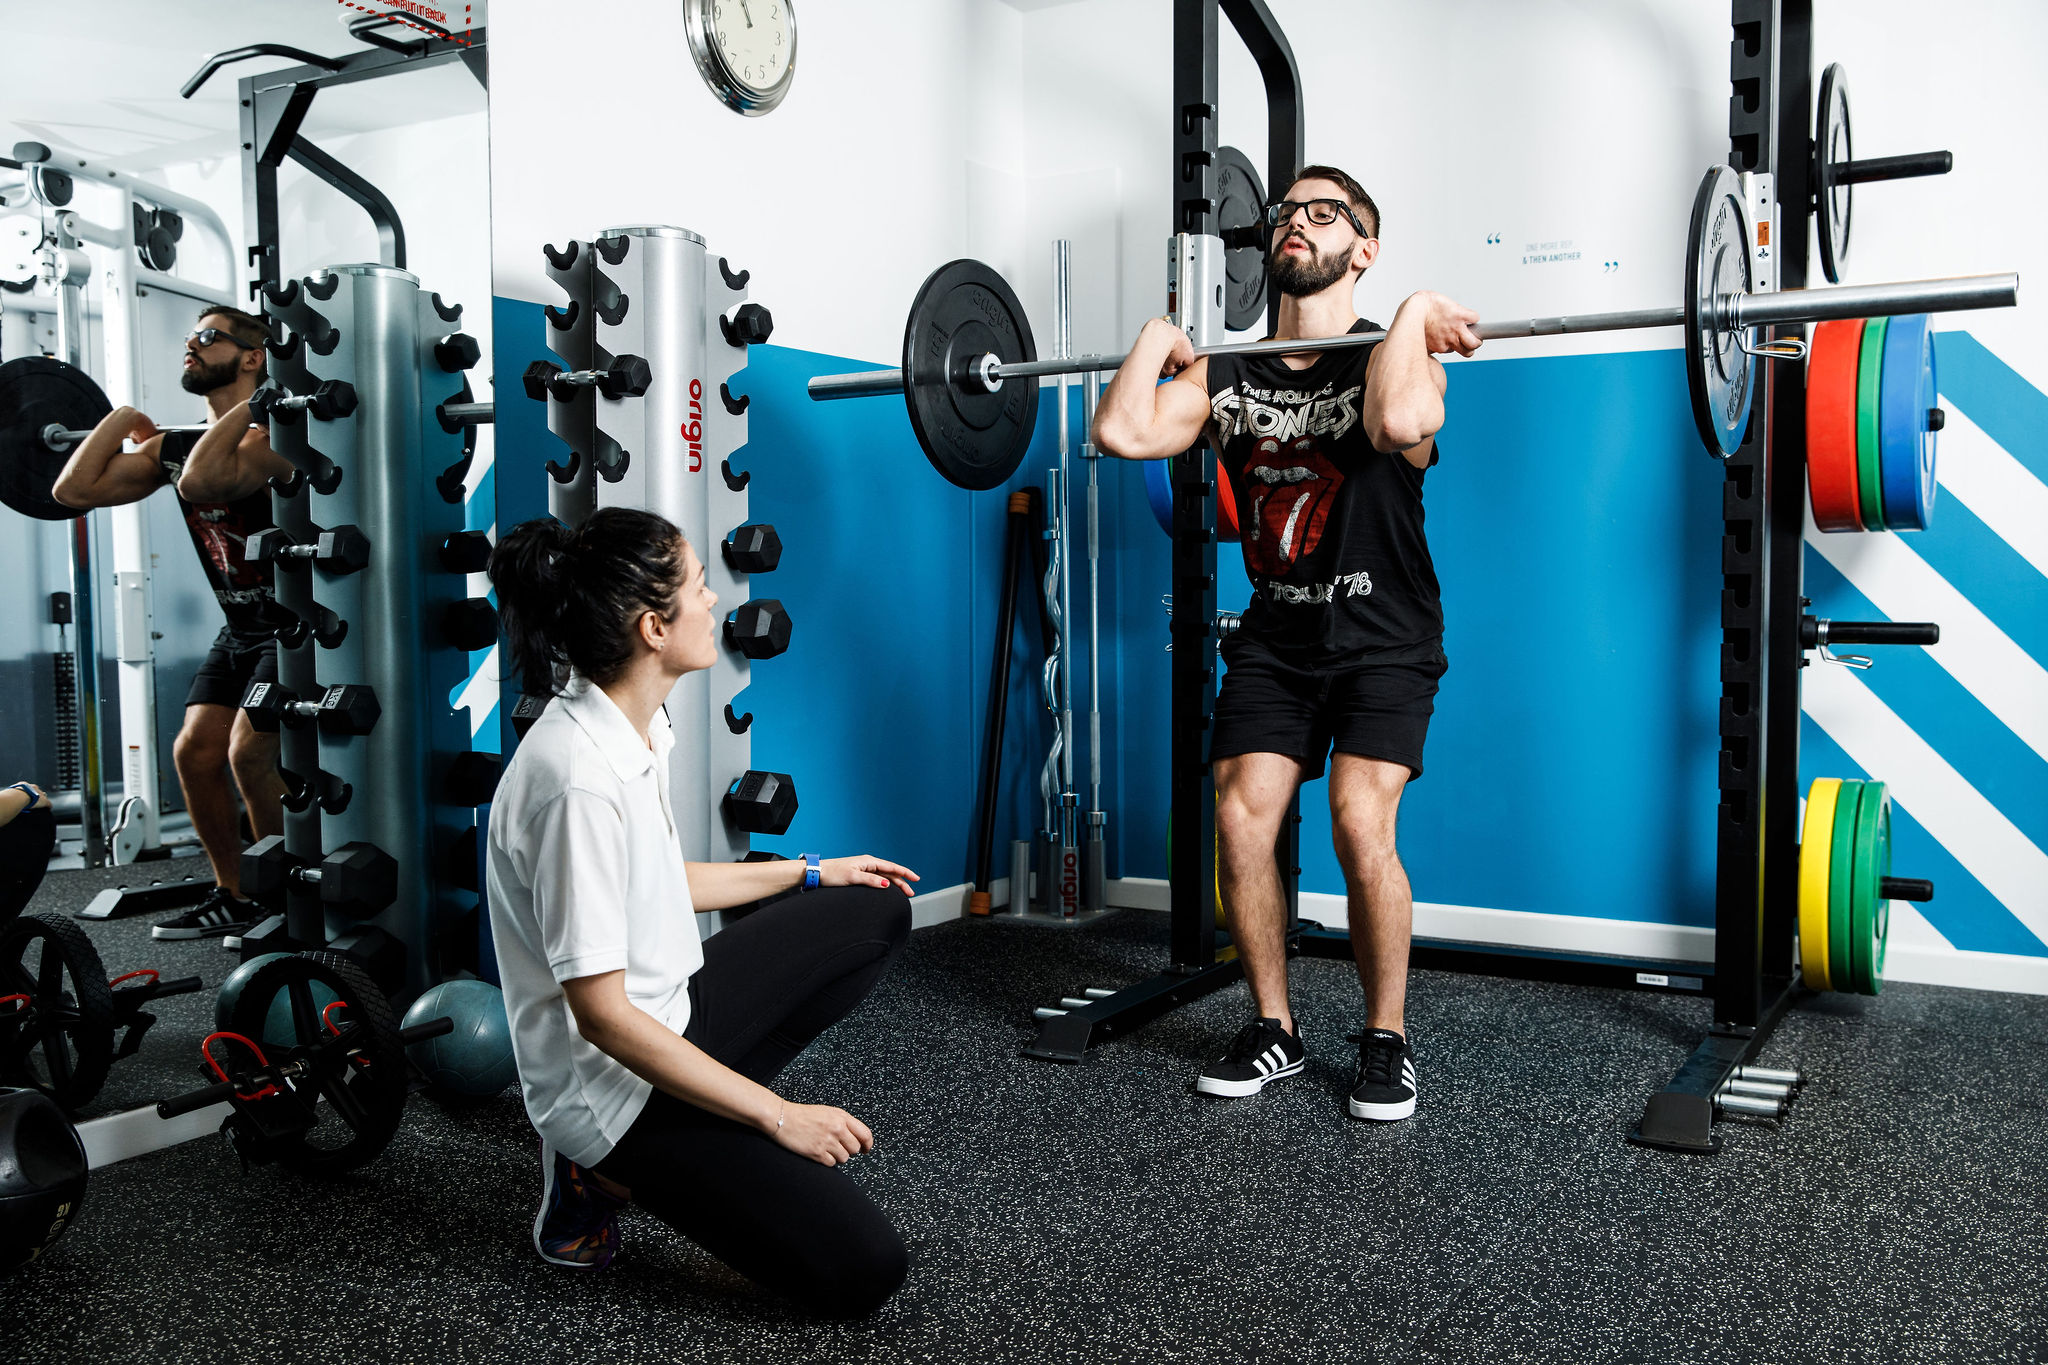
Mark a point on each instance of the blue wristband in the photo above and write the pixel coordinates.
(30, 792)
(811, 880)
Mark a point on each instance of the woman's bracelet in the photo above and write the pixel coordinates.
(30, 792)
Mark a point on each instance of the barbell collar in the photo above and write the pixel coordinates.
(1737, 312)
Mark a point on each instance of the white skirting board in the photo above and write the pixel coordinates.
(1915, 951)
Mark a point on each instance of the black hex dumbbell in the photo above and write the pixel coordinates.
(457, 351)
(759, 630)
(330, 399)
(343, 550)
(471, 778)
(539, 379)
(761, 803)
(358, 879)
(626, 376)
(753, 548)
(750, 325)
(466, 552)
(345, 709)
(470, 624)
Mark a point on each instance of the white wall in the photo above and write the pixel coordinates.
(899, 147)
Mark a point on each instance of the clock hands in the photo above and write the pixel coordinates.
(746, 13)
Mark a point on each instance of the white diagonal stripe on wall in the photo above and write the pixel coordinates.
(1996, 487)
(476, 693)
(1955, 813)
(1982, 657)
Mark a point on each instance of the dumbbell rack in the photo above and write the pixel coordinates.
(402, 625)
(655, 292)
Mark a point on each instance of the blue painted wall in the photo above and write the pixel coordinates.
(1576, 529)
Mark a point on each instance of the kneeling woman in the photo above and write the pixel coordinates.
(646, 1055)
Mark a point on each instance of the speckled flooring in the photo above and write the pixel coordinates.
(1102, 1213)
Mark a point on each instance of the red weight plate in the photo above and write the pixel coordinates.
(1226, 506)
(1831, 373)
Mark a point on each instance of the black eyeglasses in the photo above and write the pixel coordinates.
(206, 336)
(1321, 212)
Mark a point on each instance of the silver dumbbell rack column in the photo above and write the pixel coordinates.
(387, 468)
(656, 293)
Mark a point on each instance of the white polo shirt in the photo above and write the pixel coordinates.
(585, 877)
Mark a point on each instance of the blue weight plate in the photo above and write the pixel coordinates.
(1159, 492)
(1906, 435)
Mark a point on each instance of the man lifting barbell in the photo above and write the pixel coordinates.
(219, 477)
(1342, 645)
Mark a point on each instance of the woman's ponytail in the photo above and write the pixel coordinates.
(575, 597)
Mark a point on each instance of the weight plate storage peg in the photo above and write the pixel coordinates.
(1816, 847)
(1831, 366)
(1907, 421)
(1869, 429)
(39, 394)
(1717, 369)
(975, 438)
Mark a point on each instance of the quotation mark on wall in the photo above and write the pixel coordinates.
(1493, 239)
(1609, 267)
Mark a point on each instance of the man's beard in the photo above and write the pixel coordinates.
(203, 378)
(1306, 274)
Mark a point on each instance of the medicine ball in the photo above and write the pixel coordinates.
(231, 989)
(42, 1176)
(277, 1025)
(475, 1058)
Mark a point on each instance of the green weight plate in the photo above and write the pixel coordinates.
(1883, 926)
(1841, 865)
(1873, 808)
(1870, 425)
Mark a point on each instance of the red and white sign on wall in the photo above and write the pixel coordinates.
(434, 18)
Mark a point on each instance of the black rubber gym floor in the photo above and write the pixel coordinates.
(1104, 1213)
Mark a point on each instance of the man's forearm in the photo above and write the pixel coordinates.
(1402, 405)
(87, 466)
(213, 464)
(1128, 411)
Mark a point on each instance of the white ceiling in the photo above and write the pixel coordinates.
(102, 79)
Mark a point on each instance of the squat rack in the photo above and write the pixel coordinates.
(1765, 631)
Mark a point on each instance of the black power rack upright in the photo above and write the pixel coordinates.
(273, 107)
(1765, 631)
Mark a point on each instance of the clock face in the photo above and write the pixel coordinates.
(754, 38)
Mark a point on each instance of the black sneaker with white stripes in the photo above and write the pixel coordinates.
(1262, 1051)
(220, 914)
(1384, 1088)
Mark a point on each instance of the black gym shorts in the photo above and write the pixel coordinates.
(1377, 710)
(230, 666)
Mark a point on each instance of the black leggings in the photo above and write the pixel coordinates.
(25, 844)
(770, 984)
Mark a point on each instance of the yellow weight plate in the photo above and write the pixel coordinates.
(1816, 845)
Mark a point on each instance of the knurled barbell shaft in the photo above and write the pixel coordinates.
(1740, 311)
(62, 438)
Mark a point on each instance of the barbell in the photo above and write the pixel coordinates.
(967, 337)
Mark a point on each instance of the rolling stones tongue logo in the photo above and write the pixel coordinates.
(1291, 493)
